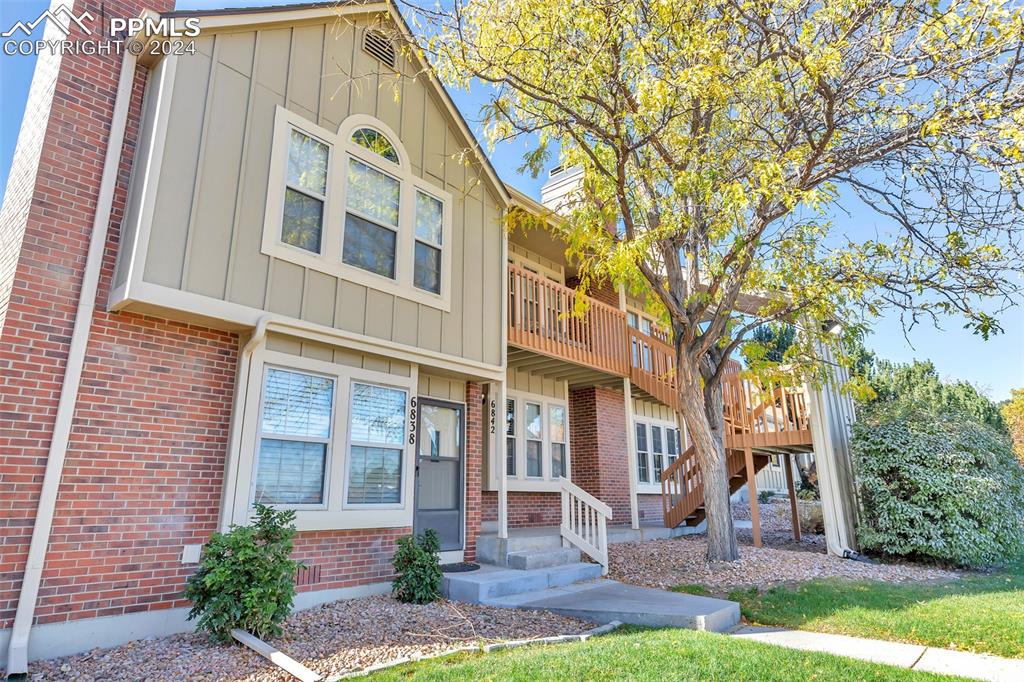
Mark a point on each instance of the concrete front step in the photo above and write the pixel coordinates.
(494, 550)
(494, 582)
(603, 601)
(543, 558)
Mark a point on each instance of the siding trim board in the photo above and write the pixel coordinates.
(174, 303)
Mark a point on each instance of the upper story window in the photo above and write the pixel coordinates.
(348, 203)
(371, 219)
(376, 142)
(429, 238)
(305, 192)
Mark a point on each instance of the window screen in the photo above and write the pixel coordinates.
(377, 436)
(295, 432)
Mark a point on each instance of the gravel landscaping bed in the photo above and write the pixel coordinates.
(331, 639)
(681, 561)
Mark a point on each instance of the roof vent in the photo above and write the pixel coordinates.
(377, 44)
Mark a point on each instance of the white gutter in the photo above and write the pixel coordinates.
(17, 653)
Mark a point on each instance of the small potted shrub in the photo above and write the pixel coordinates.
(246, 579)
(418, 568)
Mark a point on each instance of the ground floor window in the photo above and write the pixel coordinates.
(295, 438)
(377, 434)
(537, 438)
(326, 439)
(510, 438)
(657, 446)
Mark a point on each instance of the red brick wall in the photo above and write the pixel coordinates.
(47, 279)
(649, 507)
(347, 558)
(474, 464)
(601, 291)
(598, 447)
(525, 509)
(144, 467)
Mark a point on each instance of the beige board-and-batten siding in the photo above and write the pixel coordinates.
(208, 216)
(312, 350)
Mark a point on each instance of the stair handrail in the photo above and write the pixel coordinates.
(585, 522)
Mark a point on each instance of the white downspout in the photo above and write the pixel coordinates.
(17, 653)
(227, 501)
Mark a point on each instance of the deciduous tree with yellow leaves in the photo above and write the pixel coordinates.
(716, 139)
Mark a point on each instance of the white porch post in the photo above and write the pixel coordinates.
(627, 391)
(497, 426)
(634, 512)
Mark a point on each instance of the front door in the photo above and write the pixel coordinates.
(439, 471)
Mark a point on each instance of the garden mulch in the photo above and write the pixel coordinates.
(332, 639)
(782, 560)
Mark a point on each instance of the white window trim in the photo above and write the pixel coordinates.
(544, 483)
(340, 149)
(345, 504)
(335, 514)
(654, 486)
(260, 435)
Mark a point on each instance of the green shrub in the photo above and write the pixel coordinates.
(938, 486)
(246, 578)
(418, 567)
(808, 494)
(764, 496)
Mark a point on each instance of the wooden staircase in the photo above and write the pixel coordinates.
(758, 422)
(682, 487)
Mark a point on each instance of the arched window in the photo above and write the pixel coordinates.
(349, 203)
(376, 142)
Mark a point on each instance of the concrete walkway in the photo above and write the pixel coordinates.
(603, 601)
(912, 656)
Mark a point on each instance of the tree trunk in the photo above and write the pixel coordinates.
(702, 413)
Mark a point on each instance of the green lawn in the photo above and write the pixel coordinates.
(639, 654)
(978, 613)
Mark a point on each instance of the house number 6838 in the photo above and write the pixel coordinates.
(412, 420)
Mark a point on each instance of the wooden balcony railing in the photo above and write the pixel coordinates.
(652, 364)
(541, 319)
(771, 416)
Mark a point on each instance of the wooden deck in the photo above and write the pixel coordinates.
(544, 336)
(600, 348)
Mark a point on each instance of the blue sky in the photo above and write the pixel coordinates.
(995, 366)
